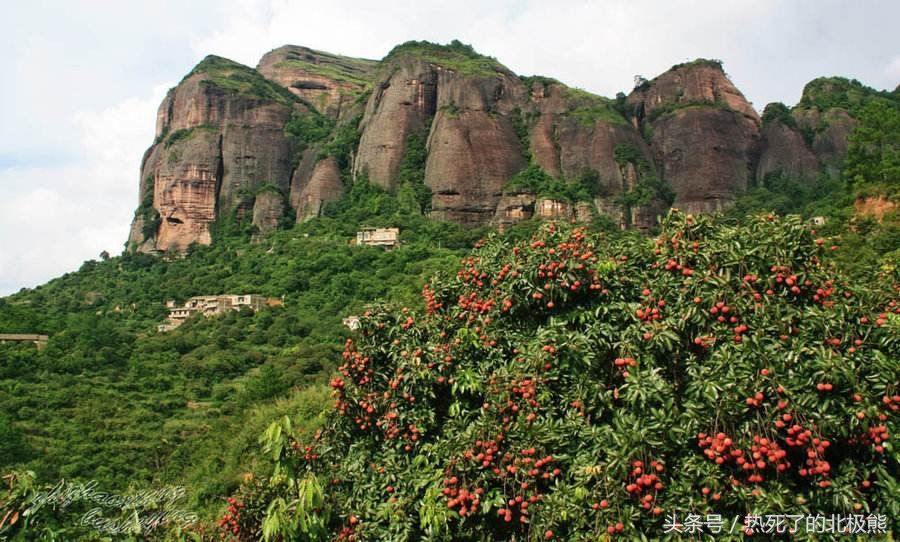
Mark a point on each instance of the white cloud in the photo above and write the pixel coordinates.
(892, 70)
(54, 217)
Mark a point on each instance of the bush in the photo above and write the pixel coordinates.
(342, 143)
(779, 112)
(534, 180)
(575, 385)
(456, 56)
(873, 156)
(151, 218)
(411, 175)
(306, 128)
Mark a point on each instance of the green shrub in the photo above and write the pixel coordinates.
(588, 109)
(456, 56)
(827, 93)
(343, 141)
(146, 210)
(534, 180)
(411, 174)
(307, 127)
(873, 154)
(580, 391)
(779, 112)
(236, 78)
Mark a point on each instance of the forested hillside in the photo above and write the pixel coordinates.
(111, 399)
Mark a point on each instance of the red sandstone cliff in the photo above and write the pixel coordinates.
(689, 137)
(703, 133)
(325, 81)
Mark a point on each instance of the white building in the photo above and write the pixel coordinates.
(211, 305)
(379, 237)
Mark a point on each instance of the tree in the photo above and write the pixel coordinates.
(13, 448)
(873, 155)
(581, 386)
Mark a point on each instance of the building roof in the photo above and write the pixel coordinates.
(23, 337)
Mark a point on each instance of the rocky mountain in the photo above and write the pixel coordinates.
(279, 142)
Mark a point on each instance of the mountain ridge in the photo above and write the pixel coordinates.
(307, 124)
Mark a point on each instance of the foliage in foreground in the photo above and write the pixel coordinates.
(573, 388)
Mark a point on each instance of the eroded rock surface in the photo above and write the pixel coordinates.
(323, 186)
(329, 82)
(703, 133)
(220, 138)
(403, 102)
(785, 151)
(268, 210)
(466, 127)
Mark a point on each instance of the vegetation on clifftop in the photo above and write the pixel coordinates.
(456, 56)
(345, 69)
(589, 109)
(234, 77)
(827, 93)
(777, 111)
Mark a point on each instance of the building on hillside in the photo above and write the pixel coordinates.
(38, 340)
(551, 208)
(212, 305)
(378, 237)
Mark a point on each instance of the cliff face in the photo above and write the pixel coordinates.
(577, 134)
(219, 139)
(268, 210)
(785, 151)
(402, 103)
(831, 129)
(473, 148)
(235, 143)
(703, 133)
(323, 185)
(328, 82)
(707, 156)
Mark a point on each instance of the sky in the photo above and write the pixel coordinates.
(82, 80)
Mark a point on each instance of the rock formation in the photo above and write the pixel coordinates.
(268, 210)
(235, 143)
(513, 208)
(322, 186)
(328, 82)
(578, 134)
(473, 148)
(219, 139)
(830, 131)
(785, 151)
(703, 133)
(402, 103)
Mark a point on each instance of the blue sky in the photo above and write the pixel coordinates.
(82, 80)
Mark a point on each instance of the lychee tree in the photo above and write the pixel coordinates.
(578, 387)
